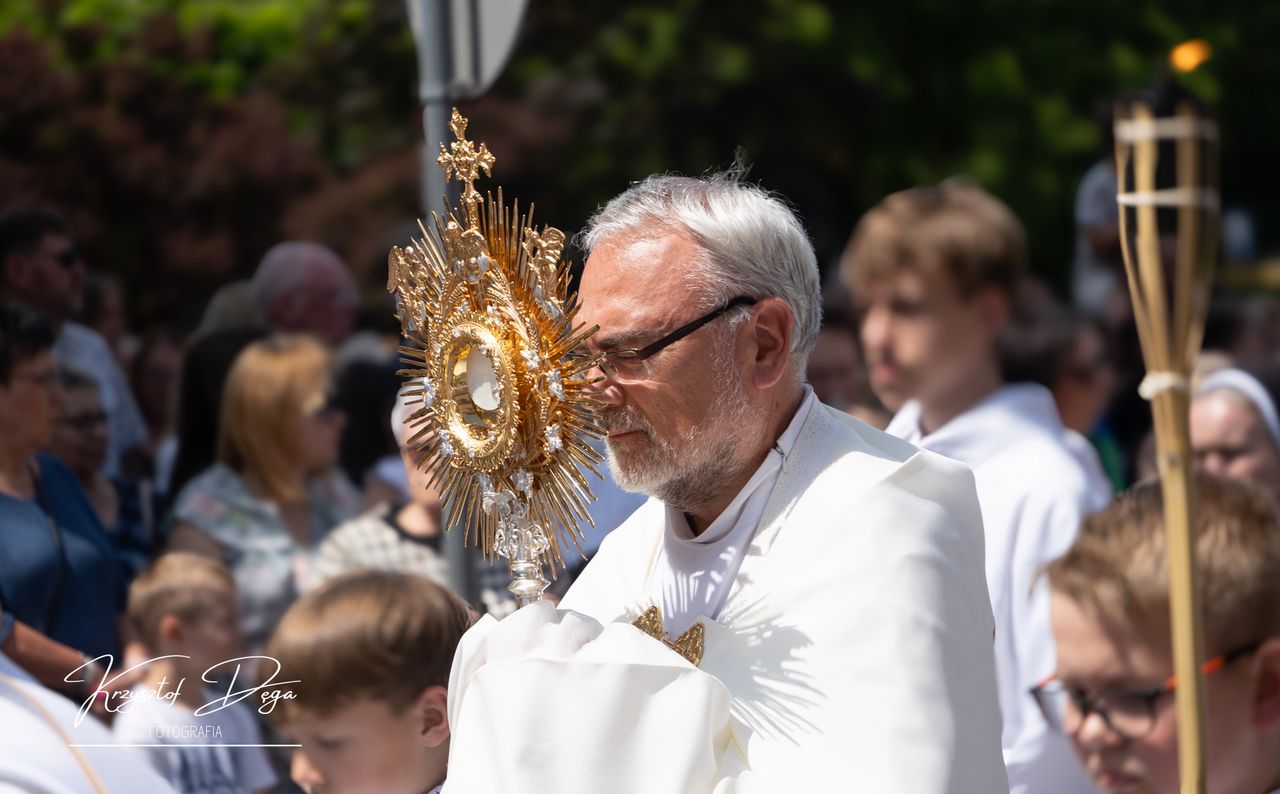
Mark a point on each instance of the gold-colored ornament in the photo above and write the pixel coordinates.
(505, 409)
(689, 644)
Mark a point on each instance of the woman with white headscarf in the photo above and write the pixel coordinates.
(1235, 425)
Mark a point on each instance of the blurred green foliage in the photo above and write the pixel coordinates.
(252, 119)
(837, 104)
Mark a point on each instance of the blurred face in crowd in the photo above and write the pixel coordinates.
(684, 422)
(324, 304)
(51, 278)
(1084, 388)
(833, 367)
(366, 747)
(1116, 662)
(922, 338)
(1231, 440)
(319, 432)
(30, 405)
(80, 440)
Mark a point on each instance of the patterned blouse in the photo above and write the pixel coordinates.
(375, 540)
(270, 569)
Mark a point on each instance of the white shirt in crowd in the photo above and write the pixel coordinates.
(37, 727)
(196, 753)
(82, 348)
(1034, 493)
(693, 573)
(1100, 489)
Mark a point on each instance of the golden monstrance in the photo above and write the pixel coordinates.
(503, 408)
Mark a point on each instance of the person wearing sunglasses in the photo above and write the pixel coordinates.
(42, 269)
(835, 573)
(275, 491)
(1113, 691)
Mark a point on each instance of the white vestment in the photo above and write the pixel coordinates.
(38, 727)
(1034, 493)
(853, 651)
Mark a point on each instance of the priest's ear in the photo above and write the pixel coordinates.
(770, 334)
(432, 707)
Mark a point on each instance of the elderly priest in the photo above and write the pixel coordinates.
(810, 596)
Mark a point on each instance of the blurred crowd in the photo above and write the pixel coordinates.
(165, 489)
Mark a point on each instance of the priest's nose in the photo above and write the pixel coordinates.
(604, 388)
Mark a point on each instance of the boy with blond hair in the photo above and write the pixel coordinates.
(183, 608)
(371, 653)
(1113, 692)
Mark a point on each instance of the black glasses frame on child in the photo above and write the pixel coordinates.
(1130, 713)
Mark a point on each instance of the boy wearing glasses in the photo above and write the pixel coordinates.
(1112, 694)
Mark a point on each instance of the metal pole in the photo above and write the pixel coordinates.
(432, 29)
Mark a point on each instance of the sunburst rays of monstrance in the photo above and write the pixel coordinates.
(503, 407)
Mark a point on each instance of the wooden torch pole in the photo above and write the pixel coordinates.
(1169, 305)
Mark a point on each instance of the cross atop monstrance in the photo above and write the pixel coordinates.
(463, 160)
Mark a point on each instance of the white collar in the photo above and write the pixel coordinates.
(985, 429)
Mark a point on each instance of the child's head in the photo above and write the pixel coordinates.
(185, 603)
(933, 270)
(371, 652)
(1110, 614)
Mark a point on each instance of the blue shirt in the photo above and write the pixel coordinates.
(73, 596)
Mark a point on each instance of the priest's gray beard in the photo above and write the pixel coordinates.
(692, 470)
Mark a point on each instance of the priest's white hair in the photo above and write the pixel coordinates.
(753, 243)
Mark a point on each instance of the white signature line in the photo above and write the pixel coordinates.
(184, 745)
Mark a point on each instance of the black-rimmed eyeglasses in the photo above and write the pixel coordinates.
(631, 365)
